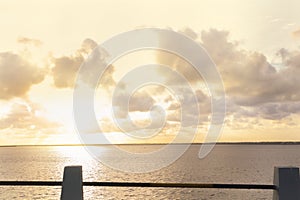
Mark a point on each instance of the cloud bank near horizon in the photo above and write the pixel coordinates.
(257, 89)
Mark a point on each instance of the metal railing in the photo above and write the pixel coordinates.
(286, 184)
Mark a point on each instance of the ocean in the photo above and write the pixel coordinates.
(225, 164)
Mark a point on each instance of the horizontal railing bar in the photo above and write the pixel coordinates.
(30, 183)
(181, 185)
(143, 184)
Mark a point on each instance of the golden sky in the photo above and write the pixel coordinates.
(254, 44)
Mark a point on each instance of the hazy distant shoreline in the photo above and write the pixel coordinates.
(219, 143)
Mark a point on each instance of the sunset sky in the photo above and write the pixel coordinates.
(254, 44)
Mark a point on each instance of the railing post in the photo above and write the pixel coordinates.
(72, 183)
(286, 179)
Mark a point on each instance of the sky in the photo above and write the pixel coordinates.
(254, 44)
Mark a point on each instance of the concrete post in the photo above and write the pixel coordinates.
(72, 183)
(287, 181)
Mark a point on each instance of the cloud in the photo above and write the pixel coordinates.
(66, 67)
(292, 61)
(270, 111)
(65, 70)
(87, 46)
(282, 53)
(141, 102)
(34, 42)
(250, 80)
(17, 75)
(296, 33)
(138, 102)
(189, 32)
(248, 76)
(27, 116)
(252, 83)
(177, 63)
(157, 108)
(274, 111)
(26, 123)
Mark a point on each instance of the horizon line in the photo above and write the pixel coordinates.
(218, 143)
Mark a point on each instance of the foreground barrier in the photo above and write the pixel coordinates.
(286, 184)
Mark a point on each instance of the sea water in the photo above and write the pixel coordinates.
(249, 164)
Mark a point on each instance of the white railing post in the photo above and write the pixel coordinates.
(287, 181)
(72, 183)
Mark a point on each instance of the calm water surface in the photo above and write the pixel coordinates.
(225, 164)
